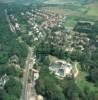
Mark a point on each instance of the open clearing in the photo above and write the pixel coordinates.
(70, 23)
(54, 10)
(59, 1)
(61, 10)
(92, 9)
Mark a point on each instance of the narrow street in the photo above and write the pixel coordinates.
(12, 28)
(28, 89)
(29, 64)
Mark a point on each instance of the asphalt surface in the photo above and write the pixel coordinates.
(28, 65)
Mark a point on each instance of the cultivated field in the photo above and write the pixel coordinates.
(59, 1)
(6, 1)
(54, 10)
(92, 9)
(61, 10)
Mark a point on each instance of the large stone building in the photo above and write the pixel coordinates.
(61, 68)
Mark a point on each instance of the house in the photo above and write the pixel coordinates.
(17, 25)
(3, 80)
(14, 59)
(35, 39)
(38, 97)
(69, 49)
(61, 68)
(30, 33)
(22, 14)
(36, 74)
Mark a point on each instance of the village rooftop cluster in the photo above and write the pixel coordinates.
(37, 25)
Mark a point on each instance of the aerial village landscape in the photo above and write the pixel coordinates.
(53, 54)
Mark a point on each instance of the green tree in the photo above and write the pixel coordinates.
(9, 97)
(13, 87)
(94, 75)
(49, 89)
(3, 57)
(72, 92)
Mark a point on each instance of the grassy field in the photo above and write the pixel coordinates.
(73, 8)
(60, 1)
(92, 9)
(52, 58)
(54, 9)
(62, 10)
(70, 23)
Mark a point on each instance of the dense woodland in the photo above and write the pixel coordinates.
(10, 46)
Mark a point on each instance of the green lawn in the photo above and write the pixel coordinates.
(52, 58)
(93, 12)
(70, 23)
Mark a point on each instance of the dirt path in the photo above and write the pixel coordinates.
(76, 70)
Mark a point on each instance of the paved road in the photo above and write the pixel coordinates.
(26, 75)
(26, 92)
(12, 28)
